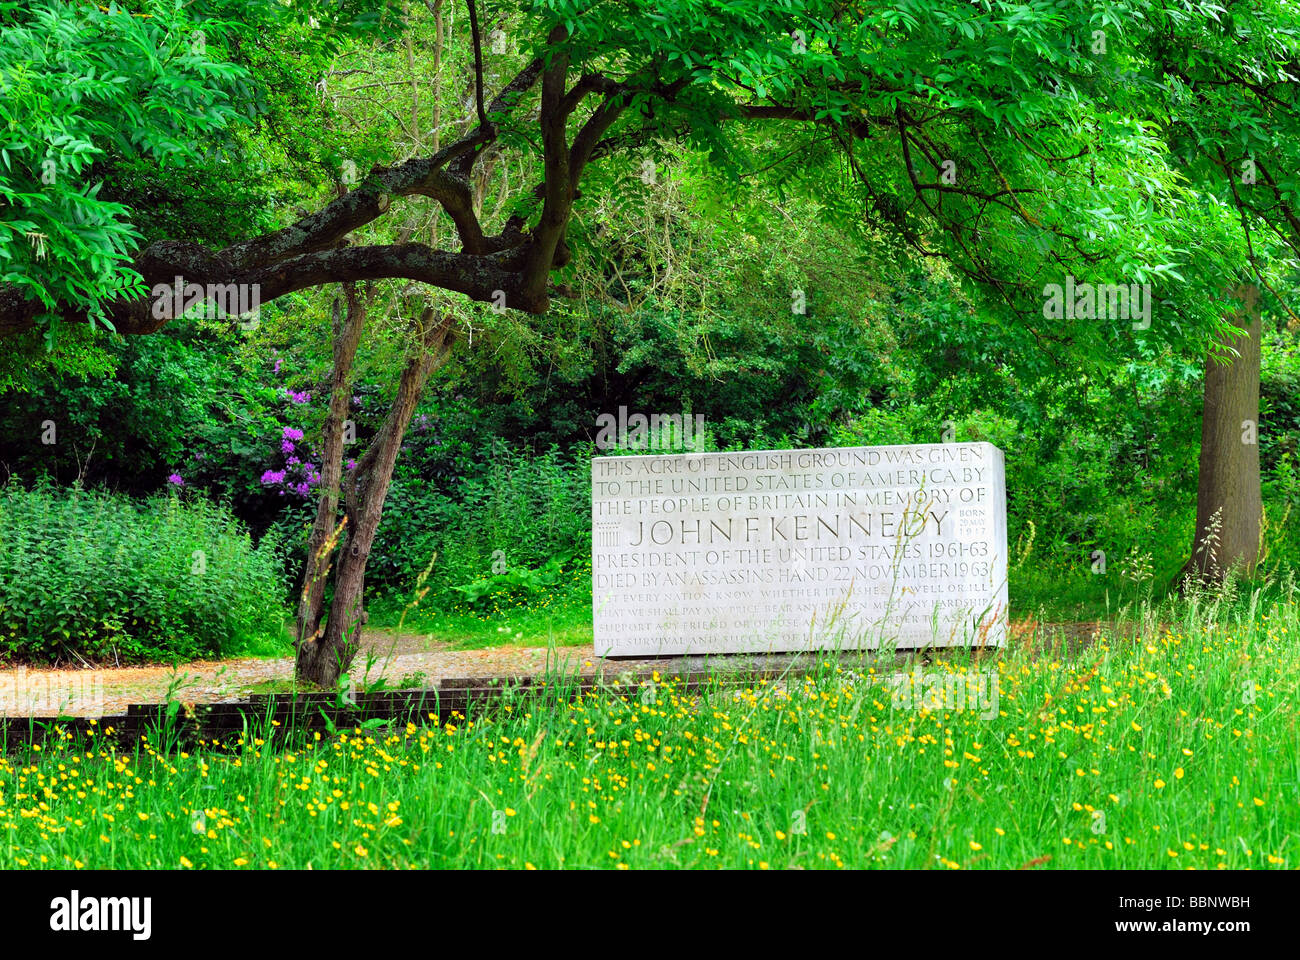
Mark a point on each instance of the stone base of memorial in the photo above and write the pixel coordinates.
(787, 550)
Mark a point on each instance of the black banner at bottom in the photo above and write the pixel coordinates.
(132, 910)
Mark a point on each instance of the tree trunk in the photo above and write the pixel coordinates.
(347, 337)
(324, 659)
(1228, 499)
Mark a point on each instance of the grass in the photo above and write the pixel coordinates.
(1178, 748)
(561, 619)
(566, 626)
(264, 646)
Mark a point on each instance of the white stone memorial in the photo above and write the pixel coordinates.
(784, 550)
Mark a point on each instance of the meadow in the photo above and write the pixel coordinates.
(1173, 744)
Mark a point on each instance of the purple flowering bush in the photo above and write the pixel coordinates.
(298, 477)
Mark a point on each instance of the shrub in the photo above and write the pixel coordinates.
(92, 576)
(520, 512)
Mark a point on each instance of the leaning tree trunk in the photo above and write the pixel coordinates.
(347, 336)
(324, 659)
(1228, 500)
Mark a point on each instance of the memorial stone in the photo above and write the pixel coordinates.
(785, 550)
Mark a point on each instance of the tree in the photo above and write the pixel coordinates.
(1234, 130)
(1228, 501)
